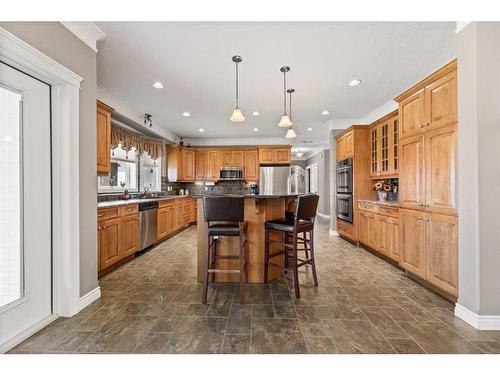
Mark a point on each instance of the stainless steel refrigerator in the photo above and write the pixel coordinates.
(298, 180)
(275, 180)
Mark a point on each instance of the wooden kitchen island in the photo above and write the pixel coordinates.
(258, 210)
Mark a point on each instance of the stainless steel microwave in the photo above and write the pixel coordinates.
(231, 173)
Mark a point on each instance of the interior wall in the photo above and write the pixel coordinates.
(322, 159)
(479, 168)
(57, 42)
(333, 179)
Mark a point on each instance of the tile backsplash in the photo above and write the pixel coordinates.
(195, 188)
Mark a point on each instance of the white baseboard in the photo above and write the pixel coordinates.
(323, 215)
(90, 297)
(16, 340)
(333, 233)
(482, 322)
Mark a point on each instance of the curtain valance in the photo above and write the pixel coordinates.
(127, 140)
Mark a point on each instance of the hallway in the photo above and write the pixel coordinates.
(363, 305)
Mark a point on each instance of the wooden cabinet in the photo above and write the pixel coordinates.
(345, 146)
(430, 104)
(412, 114)
(226, 158)
(251, 168)
(201, 165)
(213, 167)
(275, 155)
(411, 174)
(109, 233)
(118, 234)
(103, 132)
(378, 227)
(441, 170)
(429, 248)
(442, 251)
(188, 164)
(412, 241)
(129, 235)
(173, 215)
(428, 176)
(384, 140)
(239, 158)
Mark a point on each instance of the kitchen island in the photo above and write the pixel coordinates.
(258, 210)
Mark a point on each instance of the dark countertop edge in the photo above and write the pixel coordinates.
(394, 204)
(119, 203)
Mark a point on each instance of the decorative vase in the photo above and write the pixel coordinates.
(382, 196)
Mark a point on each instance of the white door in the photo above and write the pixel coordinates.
(25, 203)
(312, 178)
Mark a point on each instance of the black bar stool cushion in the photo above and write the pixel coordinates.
(287, 225)
(224, 229)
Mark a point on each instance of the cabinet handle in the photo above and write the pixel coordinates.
(420, 218)
(427, 219)
(98, 228)
(426, 205)
(420, 204)
(100, 215)
(104, 227)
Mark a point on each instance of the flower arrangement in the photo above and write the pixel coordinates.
(383, 185)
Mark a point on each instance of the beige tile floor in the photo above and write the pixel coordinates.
(363, 305)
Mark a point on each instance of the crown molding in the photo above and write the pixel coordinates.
(88, 32)
(461, 25)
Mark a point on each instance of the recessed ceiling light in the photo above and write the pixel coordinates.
(299, 154)
(354, 82)
(186, 114)
(255, 113)
(325, 112)
(158, 85)
(309, 129)
(201, 130)
(255, 129)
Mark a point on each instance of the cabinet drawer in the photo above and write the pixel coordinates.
(167, 202)
(388, 211)
(107, 213)
(367, 207)
(129, 210)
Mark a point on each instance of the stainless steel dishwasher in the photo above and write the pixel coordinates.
(148, 221)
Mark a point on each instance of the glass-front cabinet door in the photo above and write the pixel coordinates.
(384, 149)
(374, 158)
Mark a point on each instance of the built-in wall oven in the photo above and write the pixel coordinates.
(344, 190)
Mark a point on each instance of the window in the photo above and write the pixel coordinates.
(150, 173)
(123, 175)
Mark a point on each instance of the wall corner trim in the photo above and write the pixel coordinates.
(90, 297)
(333, 233)
(88, 32)
(482, 322)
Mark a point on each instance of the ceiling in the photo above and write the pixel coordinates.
(193, 61)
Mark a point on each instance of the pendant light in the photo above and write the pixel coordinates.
(290, 133)
(237, 115)
(285, 121)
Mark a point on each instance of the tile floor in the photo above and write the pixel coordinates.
(363, 305)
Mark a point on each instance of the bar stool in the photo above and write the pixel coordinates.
(302, 223)
(225, 217)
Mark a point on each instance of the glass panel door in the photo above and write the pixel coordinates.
(11, 246)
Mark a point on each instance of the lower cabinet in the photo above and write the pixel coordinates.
(109, 232)
(429, 247)
(380, 231)
(173, 215)
(118, 235)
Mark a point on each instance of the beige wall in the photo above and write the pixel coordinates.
(60, 44)
(479, 167)
(322, 160)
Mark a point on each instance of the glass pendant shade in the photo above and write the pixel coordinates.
(285, 122)
(237, 116)
(290, 133)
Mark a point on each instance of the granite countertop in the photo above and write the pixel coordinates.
(380, 203)
(124, 202)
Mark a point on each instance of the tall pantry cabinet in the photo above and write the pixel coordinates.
(428, 179)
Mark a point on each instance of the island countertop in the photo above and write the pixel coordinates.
(258, 210)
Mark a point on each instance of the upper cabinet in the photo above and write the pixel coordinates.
(345, 146)
(103, 132)
(251, 168)
(196, 164)
(430, 104)
(384, 141)
(428, 144)
(275, 155)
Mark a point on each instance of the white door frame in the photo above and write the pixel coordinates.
(65, 86)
